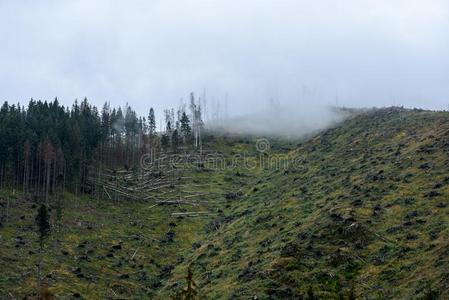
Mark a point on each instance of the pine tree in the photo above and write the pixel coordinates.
(48, 156)
(175, 140)
(190, 292)
(151, 122)
(48, 145)
(165, 141)
(106, 122)
(185, 127)
(42, 222)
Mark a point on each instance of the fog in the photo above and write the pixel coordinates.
(306, 55)
(280, 122)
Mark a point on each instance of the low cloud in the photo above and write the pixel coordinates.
(292, 122)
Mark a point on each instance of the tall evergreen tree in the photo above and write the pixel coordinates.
(186, 130)
(43, 223)
(175, 140)
(151, 122)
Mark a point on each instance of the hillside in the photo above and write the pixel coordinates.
(367, 210)
(358, 209)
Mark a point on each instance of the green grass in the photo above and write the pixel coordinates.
(367, 208)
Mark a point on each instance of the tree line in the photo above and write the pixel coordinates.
(47, 147)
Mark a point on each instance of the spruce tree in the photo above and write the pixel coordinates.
(186, 130)
(175, 140)
(151, 122)
(165, 141)
(43, 223)
(190, 292)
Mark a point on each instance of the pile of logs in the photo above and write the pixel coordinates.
(163, 184)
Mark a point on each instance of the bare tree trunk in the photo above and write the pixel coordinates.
(53, 189)
(39, 170)
(30, 180)
(1, 176)
(47, 183)
(7, 209)
(24, 179)
(63, 180)
(19, 175)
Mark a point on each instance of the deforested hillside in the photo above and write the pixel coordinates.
(253, 149)
(364, 216)
(358, 211)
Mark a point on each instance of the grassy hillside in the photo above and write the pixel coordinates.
(367, 211)
(360, 209)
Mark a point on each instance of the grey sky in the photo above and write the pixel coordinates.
(155, 52)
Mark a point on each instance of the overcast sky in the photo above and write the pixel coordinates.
(153, 52)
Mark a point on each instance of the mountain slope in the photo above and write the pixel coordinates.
(366, 211)
(360, 209)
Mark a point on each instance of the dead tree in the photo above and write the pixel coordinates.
(197, 122)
